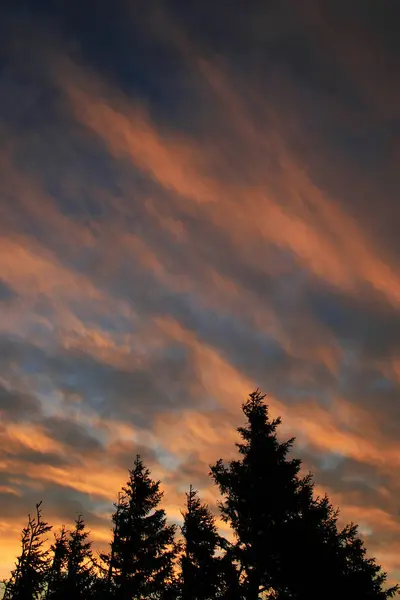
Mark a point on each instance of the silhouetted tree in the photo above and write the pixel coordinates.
(103, 586)
(57, 571)
(72, 573)
(141, 561)
(259, 496)
(338, 556)
(200, 567)
(363, 577)
(28, 579)
(287, 541)
(231, 588)
(80, 566)
(229, 570)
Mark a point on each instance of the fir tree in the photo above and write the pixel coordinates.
(363, 577)
(230, 584)
(80, 568)
(106, 563)
(259, 496)
(28, 579)
(338, 556)
(200, 567)
(141, 561)
(57, 571)
(287, 540)
(72, 573)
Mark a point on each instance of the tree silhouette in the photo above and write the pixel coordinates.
(338, 556)
(259, 496)
(362, 575)
(28, 579)
(142, 550)
(287, 541)
(230, 584)
(80, 567)
(72, 572)
(57, 571)
(200, 567)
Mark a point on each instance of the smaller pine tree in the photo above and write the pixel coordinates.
(362, 576)
(338, 556)
(28, 579)
(72, 573)
(230, 580)
(80, 566)
(57, 570)
(200, 567)
(141, 562)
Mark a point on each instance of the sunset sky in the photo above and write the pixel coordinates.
(197, 199)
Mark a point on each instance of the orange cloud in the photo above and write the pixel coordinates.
(321, 236)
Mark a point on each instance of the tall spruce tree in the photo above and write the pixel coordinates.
(200, 567)
(28, 579)
(287, 541)
(259, 493)
(141, 562)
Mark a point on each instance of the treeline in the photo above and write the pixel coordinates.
(286, 545)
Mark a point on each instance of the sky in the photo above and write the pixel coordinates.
(198, 199)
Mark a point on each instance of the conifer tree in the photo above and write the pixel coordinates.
(57, 570)
(338, 556)
(142, 554)
(28, 579)
(231, 588)
(363, 577)
(80, 567)
(259, 495)
(200, 567)
(72, 573)
(287, 540)
(107, 562)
